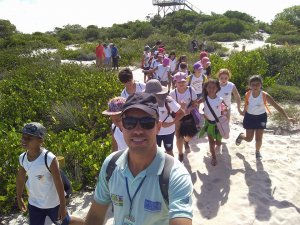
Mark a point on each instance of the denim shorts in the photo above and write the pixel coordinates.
(37, 215)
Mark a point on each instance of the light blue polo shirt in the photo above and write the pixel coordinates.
(148, 206)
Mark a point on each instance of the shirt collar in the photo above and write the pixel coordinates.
(155, 168)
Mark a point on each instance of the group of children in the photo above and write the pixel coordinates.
(179, 95)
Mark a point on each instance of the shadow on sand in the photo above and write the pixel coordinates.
(215, 185)
(260, 193)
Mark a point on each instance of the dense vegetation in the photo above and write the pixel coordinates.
(68, 98)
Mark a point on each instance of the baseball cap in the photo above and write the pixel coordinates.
(34, 129)
(144, 101)
(161, 50)
(115, 106)
(205, 60)
(154, 86)
(179, 77)
(166, 61)
(197, 66)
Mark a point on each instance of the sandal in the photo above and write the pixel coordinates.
(239, 139)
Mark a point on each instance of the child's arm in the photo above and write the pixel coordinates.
(21, 178)
(271, 101)
(59, 188)
(237, 98)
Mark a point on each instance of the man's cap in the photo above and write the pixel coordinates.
(34, 129)
(180, 76)
(115, 106)
(144, 101)
(153, 86)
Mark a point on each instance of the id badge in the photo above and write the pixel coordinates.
(128, 220)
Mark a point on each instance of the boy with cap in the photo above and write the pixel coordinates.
(169, 113)
(133, 187)
(45, 186)
(114, 110)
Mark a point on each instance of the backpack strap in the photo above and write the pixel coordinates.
(168, 110)
(164, 177)
(190, 79)
(23, 158)
(46, 155)
(114, 129)
(190, 90)
(211, 110)
(176, 95)
(112, 165)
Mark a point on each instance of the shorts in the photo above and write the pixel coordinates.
(107, 60)
(167, 139)
(37, 215)
(210, 127)
(255, 121)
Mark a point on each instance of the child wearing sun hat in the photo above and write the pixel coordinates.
(115, 106)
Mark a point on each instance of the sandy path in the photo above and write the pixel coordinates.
(238, 191)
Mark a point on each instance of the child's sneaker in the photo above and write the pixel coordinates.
(258, 156)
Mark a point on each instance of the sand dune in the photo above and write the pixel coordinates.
(239, 190)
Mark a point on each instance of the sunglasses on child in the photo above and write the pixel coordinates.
(130, 123)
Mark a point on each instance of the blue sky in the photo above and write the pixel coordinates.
(44, 15)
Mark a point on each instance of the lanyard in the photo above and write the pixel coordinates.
(131, 199)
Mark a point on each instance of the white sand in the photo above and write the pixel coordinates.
(239, 190)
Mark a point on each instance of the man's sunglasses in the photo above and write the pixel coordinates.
(145, 122)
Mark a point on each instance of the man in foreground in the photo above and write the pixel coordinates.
(134, 187)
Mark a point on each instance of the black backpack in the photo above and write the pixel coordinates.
(163, 177)
(65, 180)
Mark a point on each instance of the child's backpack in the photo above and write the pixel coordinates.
(264, 96)
(164, 177)
(64, 178)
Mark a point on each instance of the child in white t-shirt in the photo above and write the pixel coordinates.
(45, 187)
(227, 89)
(114, 110)
(210, 89)
(197, 79)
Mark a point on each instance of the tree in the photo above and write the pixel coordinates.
(6, 29)
(239, 15)
(290, 15)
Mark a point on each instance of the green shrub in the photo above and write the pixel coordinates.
(284, 93)
(283, 39)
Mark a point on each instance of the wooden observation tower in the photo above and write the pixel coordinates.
(165, 6)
